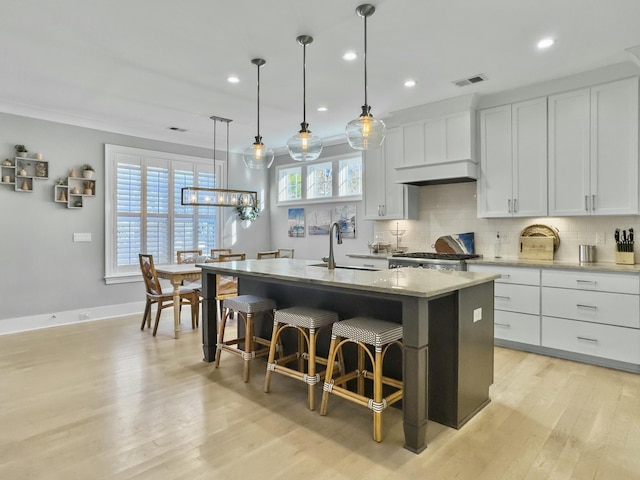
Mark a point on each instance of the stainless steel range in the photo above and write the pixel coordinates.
(430, 260)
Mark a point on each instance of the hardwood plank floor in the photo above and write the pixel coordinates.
(103, 400)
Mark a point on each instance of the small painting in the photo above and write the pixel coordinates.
(319, 222)
(345, 215)
(296, 222)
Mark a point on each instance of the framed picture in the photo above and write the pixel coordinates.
(345, 215)
(319, 222)
(296, 222)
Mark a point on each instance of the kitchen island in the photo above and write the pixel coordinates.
(447, 317)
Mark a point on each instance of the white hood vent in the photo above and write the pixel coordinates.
(438, 143)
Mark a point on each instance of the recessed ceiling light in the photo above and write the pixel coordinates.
(233, 79)
(322, 109)
(545, 43)
(410, 83)
(349, 56)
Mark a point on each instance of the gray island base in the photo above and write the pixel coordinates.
(447, 318)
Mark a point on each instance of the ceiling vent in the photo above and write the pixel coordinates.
(470, 80)
(177, 129)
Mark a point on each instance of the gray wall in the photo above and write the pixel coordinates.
(42, 271)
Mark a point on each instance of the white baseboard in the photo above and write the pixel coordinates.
(47, 320)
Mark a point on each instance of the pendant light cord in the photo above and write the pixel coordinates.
(365, 61)
(304, 86)
(258, 140)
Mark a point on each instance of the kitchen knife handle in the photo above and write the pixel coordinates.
(593, 203)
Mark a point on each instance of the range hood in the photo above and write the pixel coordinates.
(438, 141)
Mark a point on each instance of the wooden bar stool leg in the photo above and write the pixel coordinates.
(272, 356)
(328, 375)
(248, 347)
(312, 379)
(301, 350)
(378, 406)
(221, 328)
(360, 381)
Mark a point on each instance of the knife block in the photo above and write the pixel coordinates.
(625, 258)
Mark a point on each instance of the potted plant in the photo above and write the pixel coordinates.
(88, 187)
(21, 151)
(87, 171)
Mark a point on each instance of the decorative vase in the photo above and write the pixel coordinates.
(22, 173)
(38, 156)
(88, 174)
(21, 154)
(88, 191)
(74, 190)
(25, 185)
(7, 163)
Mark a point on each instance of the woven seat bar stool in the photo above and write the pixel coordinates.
(245, 306)
(307, 321)
(364, 331)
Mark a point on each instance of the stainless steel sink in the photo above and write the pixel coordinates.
(346, 267)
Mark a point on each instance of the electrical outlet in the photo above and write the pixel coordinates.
(600, 238)
(82, 237)
(477, 314)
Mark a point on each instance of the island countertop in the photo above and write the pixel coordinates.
(414, 282)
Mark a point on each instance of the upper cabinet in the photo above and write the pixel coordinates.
(384, 199)
(593, 150)
(513, 160)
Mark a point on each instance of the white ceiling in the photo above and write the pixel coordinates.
(140, 66)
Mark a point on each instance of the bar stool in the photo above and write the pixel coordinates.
(364, 331)
(246, 306)
(306, 321)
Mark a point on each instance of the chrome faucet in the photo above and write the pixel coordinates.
(331, 263)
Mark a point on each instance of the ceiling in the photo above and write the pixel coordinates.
(139, 67)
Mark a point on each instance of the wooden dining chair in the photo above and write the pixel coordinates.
(155, 294)
(269, 254)
(188, 256)
(285, 253)
(216, 252)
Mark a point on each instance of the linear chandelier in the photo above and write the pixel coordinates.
(218, 197)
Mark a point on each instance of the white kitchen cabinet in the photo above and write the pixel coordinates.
(516, 303)
(593, 150)
(513, 160)
(384, 199)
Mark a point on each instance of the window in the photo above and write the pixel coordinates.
(143, 210)
(331, 180)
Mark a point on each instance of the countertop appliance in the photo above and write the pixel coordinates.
(431, 260)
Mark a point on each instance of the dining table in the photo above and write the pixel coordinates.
(177, 274)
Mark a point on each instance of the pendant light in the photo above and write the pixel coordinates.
(304, 146)
(365, 132)
(257, 155)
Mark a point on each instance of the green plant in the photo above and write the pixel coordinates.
(248, 213)
(86, 166)
(61, 181)
(21, 148)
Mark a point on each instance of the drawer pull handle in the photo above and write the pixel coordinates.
(502, 297)
(502, 324)
(593, 307)
(587, 339)
(587, 282)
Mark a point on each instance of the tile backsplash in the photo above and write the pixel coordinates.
(451, 208)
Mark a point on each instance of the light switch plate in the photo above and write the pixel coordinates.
(81, 237)
(477, 314)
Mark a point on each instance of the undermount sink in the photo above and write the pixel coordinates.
(346, 267)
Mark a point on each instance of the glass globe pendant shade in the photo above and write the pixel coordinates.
(257, 156)
(304, 146)
(365, 132)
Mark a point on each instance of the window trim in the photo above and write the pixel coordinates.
(335, 161)
(111, 153)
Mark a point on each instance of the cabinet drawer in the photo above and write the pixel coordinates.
(598, 307)
(616, 343)
(604, 282)
(517, 327)
(523, 276)
(517, 298)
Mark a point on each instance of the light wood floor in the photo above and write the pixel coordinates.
(104, 400)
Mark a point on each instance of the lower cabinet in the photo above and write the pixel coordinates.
(578, 314)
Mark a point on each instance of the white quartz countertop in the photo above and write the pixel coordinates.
(414, 282)
(587, 266)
